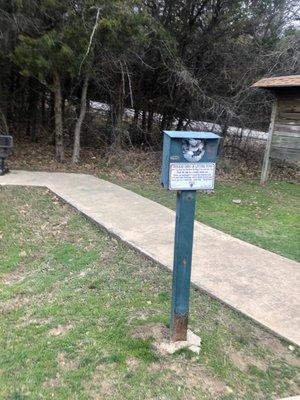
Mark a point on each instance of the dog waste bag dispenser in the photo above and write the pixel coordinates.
(189, 163)
(189, 160)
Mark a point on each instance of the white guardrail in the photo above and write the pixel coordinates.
(195, 125)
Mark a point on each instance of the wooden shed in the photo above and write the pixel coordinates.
(284, 133)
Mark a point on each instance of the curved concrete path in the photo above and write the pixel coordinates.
(256, 282)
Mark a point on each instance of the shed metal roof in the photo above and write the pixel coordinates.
(192, 135)
(278, 81)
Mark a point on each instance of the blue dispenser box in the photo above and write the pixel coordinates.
(189, 160)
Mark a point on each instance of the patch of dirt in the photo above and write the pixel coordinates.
(255, 337)
(281, 350)
(157, 331)
(192, 376)
(132, 363)
(59, 330)
(103, 384)
(293, 360)
(272, 343)
(13, 277)
(12, 304)
(209, 384)
(242, 361)
(52, 382)
(20, 273)
(143, 315)
(65, 363)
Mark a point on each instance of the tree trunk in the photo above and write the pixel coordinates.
(169, 122)
(32, 111)
(51, 120)
(150, 116)
(136, 117)
(63, 106)
(118, 127)
(179, 124)
(163, 122)
(117, 116)
(76, 148)
(144, 120)
(59, 143)
(43, 107)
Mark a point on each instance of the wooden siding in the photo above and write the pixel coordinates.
(285, 143)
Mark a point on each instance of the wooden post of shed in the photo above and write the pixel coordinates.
(266, 163)
(283, 141)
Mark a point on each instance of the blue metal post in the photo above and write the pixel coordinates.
(184, 231)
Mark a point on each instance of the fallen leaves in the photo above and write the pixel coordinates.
(135, 164)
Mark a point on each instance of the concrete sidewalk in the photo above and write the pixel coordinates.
(256, 282)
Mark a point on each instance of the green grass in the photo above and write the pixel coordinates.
(267, 216)
(79, 311)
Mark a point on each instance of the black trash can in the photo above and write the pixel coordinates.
(6, 144)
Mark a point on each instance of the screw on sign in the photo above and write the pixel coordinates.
(189, 163)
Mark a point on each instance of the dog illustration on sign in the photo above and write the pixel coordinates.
(193, 149)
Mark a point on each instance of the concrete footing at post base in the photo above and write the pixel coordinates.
(193, 343)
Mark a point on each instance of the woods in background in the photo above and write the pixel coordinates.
(171, 61)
